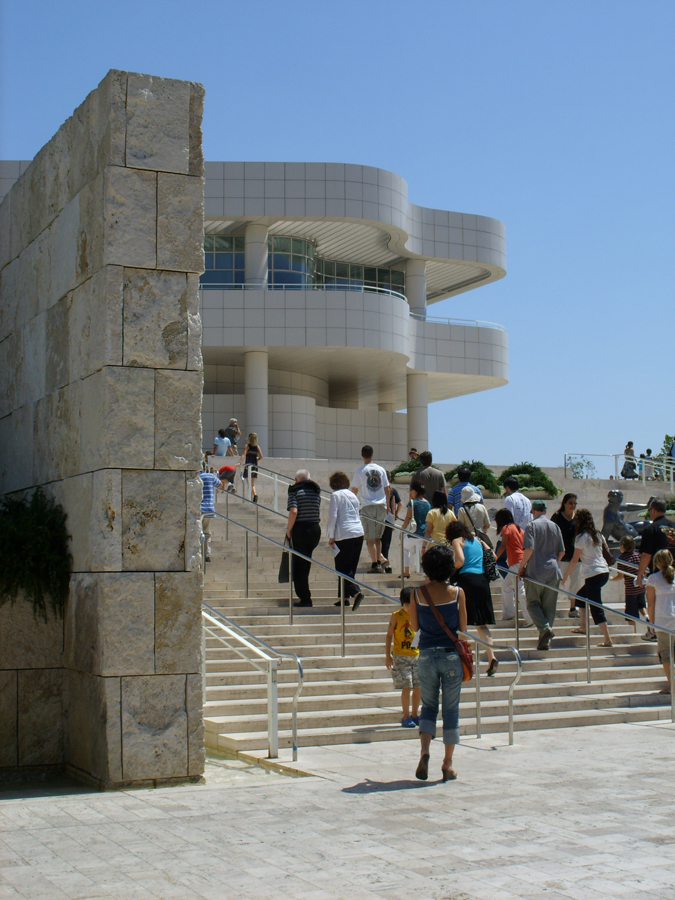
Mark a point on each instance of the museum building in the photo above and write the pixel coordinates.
(314, 303)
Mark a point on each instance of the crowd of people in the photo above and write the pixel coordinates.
(445, 533)
(646, 466)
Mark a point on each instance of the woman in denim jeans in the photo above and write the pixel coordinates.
(439, 667)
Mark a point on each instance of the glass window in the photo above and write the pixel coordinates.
(239, 276)
(239, 243)
(299, 247)
(397, 277)
(383, 276)
(328, 267)
(223, 243)
(356, 272)
(370, 274)
(282, 244)
(208, 243)
(223, 261)
(280, 261)
(342, 270)
(239, 260)
(299, 264)
(208, 260)
(310, 249)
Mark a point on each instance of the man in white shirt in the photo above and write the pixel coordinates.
(517, 503)
(371, 486)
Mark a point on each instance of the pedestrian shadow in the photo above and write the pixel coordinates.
(377, 787)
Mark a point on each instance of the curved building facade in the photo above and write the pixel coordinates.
(314, 302)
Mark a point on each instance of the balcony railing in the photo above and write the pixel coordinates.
(352, 288)
(471, 323)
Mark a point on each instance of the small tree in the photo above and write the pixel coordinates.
(34, 556)
(582, 467)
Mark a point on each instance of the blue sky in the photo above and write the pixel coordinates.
(555, 117)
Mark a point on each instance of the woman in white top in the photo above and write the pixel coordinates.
(594, 570)
(345, 534)
(661, 606)
(472, 512)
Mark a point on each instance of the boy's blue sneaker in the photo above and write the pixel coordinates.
(416, 720)
(409, 723)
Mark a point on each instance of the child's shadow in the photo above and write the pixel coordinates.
(373, 787)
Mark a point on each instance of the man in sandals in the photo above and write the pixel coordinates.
(543, 548)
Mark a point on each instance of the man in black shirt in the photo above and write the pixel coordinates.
(660, 535)
(393, 509)
(304, 531)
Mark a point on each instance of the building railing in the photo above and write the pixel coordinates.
(266, 660)
(352, 288)
(372, 590)
(470, 323)
(647, 468)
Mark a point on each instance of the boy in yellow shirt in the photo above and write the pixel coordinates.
(402, 660)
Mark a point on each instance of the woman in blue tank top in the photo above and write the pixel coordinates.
(439, 666)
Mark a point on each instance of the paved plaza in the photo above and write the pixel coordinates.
(578, 813)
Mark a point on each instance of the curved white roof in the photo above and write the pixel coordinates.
(358, 214)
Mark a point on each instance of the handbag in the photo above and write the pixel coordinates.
(606, 552)
(489, 562)
(285, 565)
(412, 524)
(462, 647)
(482, 535)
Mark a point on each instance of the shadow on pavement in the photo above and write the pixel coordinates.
(373, 787)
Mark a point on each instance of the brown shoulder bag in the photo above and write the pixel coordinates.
(462, 647)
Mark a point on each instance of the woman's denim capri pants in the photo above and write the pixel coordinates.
(440, 670)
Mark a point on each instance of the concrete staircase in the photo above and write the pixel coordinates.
(351, 699)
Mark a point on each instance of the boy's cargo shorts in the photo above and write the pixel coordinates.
(404, 672)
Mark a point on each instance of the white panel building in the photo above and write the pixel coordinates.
(314, 302)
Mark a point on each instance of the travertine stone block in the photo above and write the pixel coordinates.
(58, 344)
(193, 529)
(195, 359)
(130, 218)
(178, 622)
(63, 243)
(158, 123)
(16, 441)
(110, 623)
(154, 727)
(117, 428)
(153, 521)
(11, 358)
(27, 642)
(40, 717)
(91, 235)
(94, 736)
(31, 383)
(8, 716)
(95, 326)
(178, 419)
(196, 115)
(195, 710)
(155, 319)
(57, 434)
(5, 246)
(94, 505)
(180, 223)
(19, 229)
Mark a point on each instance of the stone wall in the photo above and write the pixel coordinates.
(100, 403)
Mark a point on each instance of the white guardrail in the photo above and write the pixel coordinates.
(652, 469)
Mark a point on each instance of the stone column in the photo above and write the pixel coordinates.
(418, 415)
(255, 237)
(416, 286)
(256, 392)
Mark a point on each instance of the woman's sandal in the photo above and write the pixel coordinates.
(605, 644)
(423, 767)
(577, 631)
(448, 774)
(492, 668)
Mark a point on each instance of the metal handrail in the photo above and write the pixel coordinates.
(470, 323)
(271, 656)
(374, 590)
(622, 615)
(352, 288)
(666, 463)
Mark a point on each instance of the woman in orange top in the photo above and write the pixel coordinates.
(511, 539)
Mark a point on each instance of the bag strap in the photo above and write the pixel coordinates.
(439, 618)
(466, 510)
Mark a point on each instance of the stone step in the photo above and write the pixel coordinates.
(351, 734)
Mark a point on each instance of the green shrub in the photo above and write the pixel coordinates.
(480, 475)
(530, 477)
(34, 557)
(406, 467)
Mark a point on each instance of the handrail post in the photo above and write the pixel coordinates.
(402, 560)
(227, 513)
(246, 561)
(272, 710)
(202, 541)
(671, 641)
(565, 464)
(517, 625)
(616, 467)
(588, 643)
(257, 529)
(203, 663)
(290, 586)
(276, 493)
(342, 613)
(511, 686)
(477, 676)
